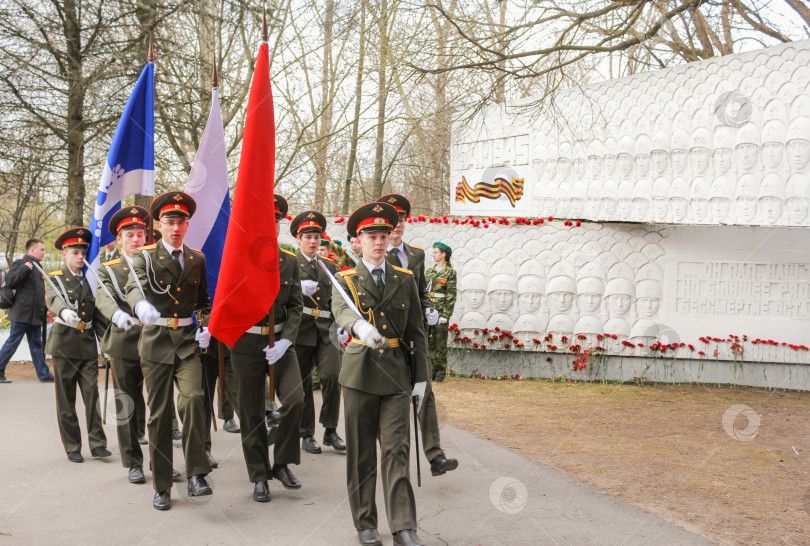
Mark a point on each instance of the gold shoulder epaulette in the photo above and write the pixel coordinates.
(348, 272)
(113, 262)
(57, 272)
(148, 247)
(195, 250)
(417, 247)
(286, 251)
(403, 270)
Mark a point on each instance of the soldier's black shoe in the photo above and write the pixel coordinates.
(287, 478)
(310, 445)
(213, 462)
(408, 537)
(441, 464)
(136, 475)
(162, 500)
(369, 537)
(48, 379)
(231, 426)
(261, 492)
(272, 432)
(142, 440)
(197, 486)
(100, 452)
(273, 418)
(332, 439)
(176, 435)
(4, 380)
(75, 456)
(175, 475)
(438, 378)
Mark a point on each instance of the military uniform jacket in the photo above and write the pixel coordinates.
(286, 308)
(382, 372)
(64, 341)
(416, 264)
(116, 342)
(442, 289)
(312, 328)
(175, 294)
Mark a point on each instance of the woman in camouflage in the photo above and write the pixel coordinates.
(442, 280)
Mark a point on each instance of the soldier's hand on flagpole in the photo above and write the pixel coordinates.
(202, 337)
(69, 317)
(274, 353)
(146, 312)
(432, 316)
(124, 320)
(419, 392)
(342, 336)
(367, 333)
(308, 287)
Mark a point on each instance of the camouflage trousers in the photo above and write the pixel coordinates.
(438, 349)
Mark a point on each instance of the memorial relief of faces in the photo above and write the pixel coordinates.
(501, 292)
(564, 200)
(660, 153)
(594, 194)
(530, 293)
(720, 200)
(577, 203)
(771, 198)
(747, 148)
(625, 157)
(474, 290)
(560, 294)
(609, 162)
(678, 200)
(609, 204)
(625, 201)
(649, 294)
(745, 205)
(539, 169)
(643, 149)
(660, 199)
(589, 295)
(590, 326)
(699, 200)
(620, 328)
(642, 193)
(564, 162)
(595, 159)
(470, 323)
(680, 152)
(644, 331)
(723, 149)
(579, 163)
(797, 199)
(550, 200)
(798, 144)
(619, 296)
(526, 328)
(502, 321)
(560, 326)
(699, 153)
(773, 143)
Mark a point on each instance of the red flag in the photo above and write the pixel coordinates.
(249, 276)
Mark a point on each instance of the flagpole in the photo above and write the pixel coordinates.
(271, 329)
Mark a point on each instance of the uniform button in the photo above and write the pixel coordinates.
(175, 314)
(83, 313)
(382, 314)
(82, 305)
(177, 303)
(161, 282)
(318, 298)
(179, 289)
(385, 326)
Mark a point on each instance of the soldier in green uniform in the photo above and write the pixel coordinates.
(250, 356)
(316, 344)
(166, 287)
(120, 341)
(210, 362)
(441, 278)
(72, 343)
(402, 254)
(377, 378)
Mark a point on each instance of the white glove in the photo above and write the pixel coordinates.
(202, 337)
(419, 392)
(272, 354)
(123, 320)
(69, 317)
(308, 287)
(432, 316)
(343, 336)
(147, 312)
(442, 320)
(367, 333)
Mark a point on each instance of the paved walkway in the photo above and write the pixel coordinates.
(495, 497)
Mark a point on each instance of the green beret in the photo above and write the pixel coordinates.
(443, 247)
(324, 242)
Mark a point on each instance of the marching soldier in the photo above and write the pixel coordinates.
(210, 362)
(250, 356)
(72, 343)
(402, 254)
(377, 378)
(313, 346)
(120, 341)
(167, 286)
(442, 280)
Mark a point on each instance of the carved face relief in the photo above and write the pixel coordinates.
(641, 209)
(700, 208)
(549, 206)
(746, 207)
(610, 165)
(589, 303)
(797, 210)
(501, 300)
(625, 162)
(720, 207)
(771, 208)
(642, 165)
(678, 207)
(560, 302)
(594, 206)
(647, 307)
(577, 207)
(722, 160)
(746, 156)
(618, 305)
(699, 158)
(625, 208)
(798, 152)
(659, 162)
(678, 161)
(772, 154)
(529, 302)
(594, 166)
(473, 299)
(659, 208)
(564, 169)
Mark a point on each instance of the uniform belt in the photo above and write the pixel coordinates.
(317, 313)
(435, 295)
(392, 341)
(264, 330)
(174, 323)
(82, 326)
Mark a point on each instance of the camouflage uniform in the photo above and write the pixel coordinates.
(443, 292)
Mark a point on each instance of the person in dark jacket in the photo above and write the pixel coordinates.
(27, 315)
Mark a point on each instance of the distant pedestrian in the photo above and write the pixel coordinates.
(27, 315)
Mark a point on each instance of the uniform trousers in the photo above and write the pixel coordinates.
(70, 373)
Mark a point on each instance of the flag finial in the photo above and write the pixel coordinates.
(214, 75)
(150, 55)
(264, 24)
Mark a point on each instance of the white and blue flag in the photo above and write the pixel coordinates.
(130, 167)
(208, 185)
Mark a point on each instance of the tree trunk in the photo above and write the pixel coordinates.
(74, 214)
(382, 95)
(321, 156)
(358, 100)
